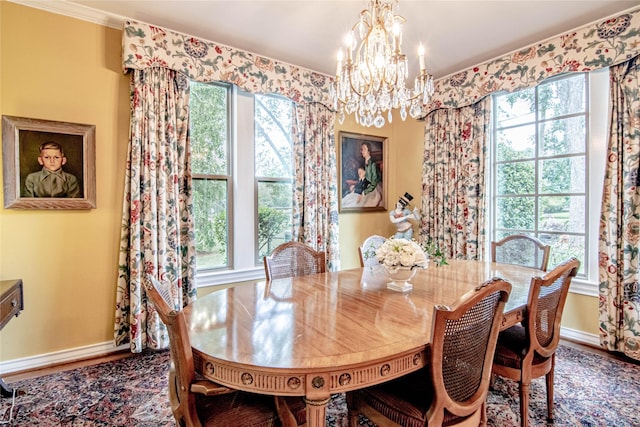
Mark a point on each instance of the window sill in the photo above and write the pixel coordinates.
(226, 277)
(583, 287)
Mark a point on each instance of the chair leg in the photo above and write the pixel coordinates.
(352, 410)
(549, 381)
(524, 404)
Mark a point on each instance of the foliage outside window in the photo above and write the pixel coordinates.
(540, 166)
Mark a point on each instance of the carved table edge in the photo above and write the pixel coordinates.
(292, 382)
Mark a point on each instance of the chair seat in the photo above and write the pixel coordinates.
(255, 410)
(512, 347)
(297, 407)
(403, 400)
(224, 411)
(406, 400)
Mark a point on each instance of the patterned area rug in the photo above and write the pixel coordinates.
(590, 390)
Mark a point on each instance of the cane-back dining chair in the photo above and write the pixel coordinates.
(452, 388)
(196, 401)
(293, 259)
(528, 350)
(367, 251)
(521, 249)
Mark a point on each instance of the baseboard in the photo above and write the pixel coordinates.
(60, 357)
(580, 337)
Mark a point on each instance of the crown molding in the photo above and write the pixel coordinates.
(75, 10)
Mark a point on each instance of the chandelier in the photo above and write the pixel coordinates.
(371, 80)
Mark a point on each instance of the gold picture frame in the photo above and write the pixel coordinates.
(361, 195)
(22, 141)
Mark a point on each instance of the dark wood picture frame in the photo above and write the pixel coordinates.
(353, 196)
(21, 141)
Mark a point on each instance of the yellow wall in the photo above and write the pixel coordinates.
(58, 68)
(404, 158)
(581, 314)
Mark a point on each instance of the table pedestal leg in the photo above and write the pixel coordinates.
(316, 412)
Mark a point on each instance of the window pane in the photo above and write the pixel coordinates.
(516, 178)
(516, 213)
(274, 215)
(562, 97)
(273, 148)
(563, 175)
(516, 143)
(208, 129)
(210, 212)
(515, 108)
(564, 136)
(562, 213)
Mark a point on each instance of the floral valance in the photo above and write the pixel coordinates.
(603, 44)
(146, 46)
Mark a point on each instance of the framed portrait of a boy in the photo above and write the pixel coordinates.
(362, 181)
(48, 164)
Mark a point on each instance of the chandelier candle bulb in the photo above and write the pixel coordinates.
(421, 58)
(350, 39)
(396, 37)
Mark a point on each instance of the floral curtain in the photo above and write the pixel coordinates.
(157, 235)
(149, 46)
(315, 206)
(453, 180)
(619, 250)
(157, 230)
(603, 44)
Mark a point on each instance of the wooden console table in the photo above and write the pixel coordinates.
(11, 304)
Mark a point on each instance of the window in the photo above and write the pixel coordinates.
(542, 149)
(242, 178)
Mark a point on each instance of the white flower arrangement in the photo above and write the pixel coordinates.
(397, 253)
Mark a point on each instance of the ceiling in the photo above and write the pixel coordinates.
(308, 33)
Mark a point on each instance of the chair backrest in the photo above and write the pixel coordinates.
(367, 251)
(293, 259)
(182, 373)
(521, 249)
(463, 343)
(545, 305)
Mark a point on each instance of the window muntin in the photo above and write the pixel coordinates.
(540, 166)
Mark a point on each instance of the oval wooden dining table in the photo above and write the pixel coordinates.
(333, 332)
